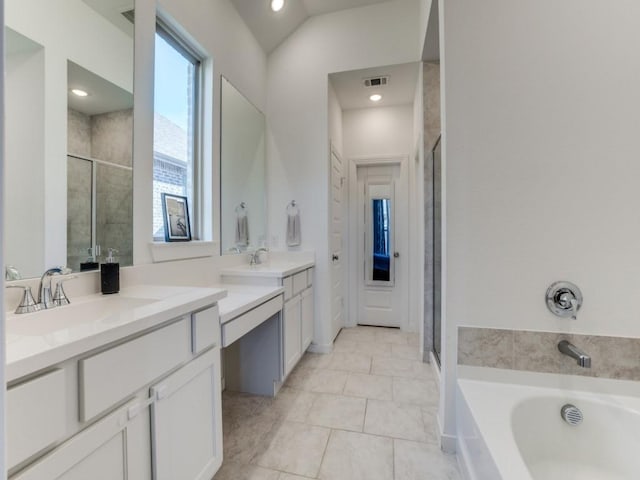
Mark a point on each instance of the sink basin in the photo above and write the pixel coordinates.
(277, 269)
(88, 314)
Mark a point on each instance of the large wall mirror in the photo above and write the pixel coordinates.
(242, 172)
(69, 134)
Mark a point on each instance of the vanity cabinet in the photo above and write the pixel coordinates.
(104, 450)
(298, 309)
(185, 421)
(292, 326)
(306, 313)
(298, 317)
(146, 407)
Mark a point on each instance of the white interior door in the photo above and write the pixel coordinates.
(382, 235)
(337, 243)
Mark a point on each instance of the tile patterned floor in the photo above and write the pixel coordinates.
(364, 412)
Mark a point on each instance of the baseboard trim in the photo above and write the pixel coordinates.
(448, 443)
(320, 348)
(434, 366)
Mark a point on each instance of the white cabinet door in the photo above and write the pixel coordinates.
(292, 334)
(187, 421)
(307, 317)
(97, 453)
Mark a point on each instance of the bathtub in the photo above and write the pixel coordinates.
(509, 426)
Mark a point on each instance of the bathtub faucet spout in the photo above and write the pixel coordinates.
(569, 349)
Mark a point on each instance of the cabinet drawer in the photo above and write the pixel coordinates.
(309, 277)
(36, 415)
(287, 283)
(299, 282)
(205, 329)
(236, 328)
(110, 376)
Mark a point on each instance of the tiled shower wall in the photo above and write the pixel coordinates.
(611, 357)
(431, 99)
(107, 137)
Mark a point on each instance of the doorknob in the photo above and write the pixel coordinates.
(335, 258)
(396, 254)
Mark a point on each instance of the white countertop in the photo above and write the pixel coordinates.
(242, 298)
(38, 340)
(274, 269)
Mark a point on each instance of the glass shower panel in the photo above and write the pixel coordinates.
(437, 249)
(114, 211)
(99, 212)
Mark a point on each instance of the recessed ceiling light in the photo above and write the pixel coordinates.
(79, 93)
(376, 97)
(276, 5)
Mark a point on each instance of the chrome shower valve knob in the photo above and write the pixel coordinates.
(564, 299)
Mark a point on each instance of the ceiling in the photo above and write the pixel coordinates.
(103, 97)
(400, 89)
(113, 11)
(271, 28)
(16, 43)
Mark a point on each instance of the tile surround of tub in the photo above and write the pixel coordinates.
(611, 357)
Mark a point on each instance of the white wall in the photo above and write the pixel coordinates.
(335, 120)
(297, 115)
(378, 131)
(541, 156)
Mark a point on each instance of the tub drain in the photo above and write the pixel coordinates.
(571, 414)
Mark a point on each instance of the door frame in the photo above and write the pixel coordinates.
(352, 214)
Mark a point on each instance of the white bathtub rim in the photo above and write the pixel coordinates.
(570, 383)
(491, 394)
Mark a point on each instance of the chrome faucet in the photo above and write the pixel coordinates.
(254, 258)
(45, 299)
(569, 349)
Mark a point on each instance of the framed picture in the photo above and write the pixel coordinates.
(175, 209)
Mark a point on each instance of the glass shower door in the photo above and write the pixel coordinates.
(437, 249)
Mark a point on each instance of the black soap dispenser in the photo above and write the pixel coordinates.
(110, 274)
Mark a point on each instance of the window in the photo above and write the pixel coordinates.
(176, 124)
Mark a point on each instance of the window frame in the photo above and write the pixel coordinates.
(176, 40)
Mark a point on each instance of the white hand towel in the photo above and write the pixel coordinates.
(293, 229)
(242, 230)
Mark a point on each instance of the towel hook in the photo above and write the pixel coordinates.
(292, 206)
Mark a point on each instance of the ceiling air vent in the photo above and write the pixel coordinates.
(376, 81)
